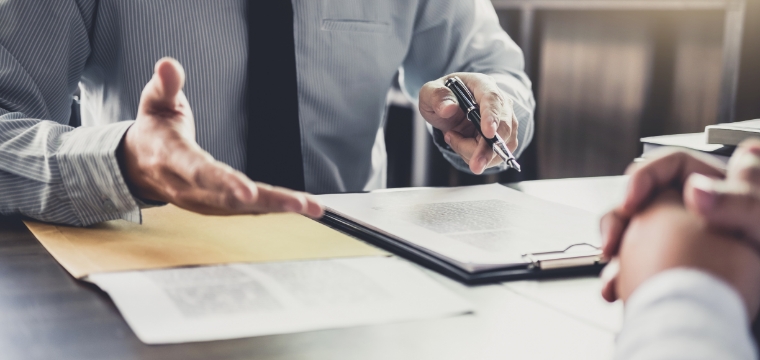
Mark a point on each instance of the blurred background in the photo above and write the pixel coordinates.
(606, 73)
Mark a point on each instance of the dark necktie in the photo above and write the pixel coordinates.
(274, 133)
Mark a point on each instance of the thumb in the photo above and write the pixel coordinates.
(165, 88)
(727, 205)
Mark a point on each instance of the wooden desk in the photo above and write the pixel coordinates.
(46, 314)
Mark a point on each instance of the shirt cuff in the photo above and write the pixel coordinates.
(685, 314)
(523, 106)
(92, 177)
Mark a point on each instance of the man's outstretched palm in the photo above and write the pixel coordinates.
(161, 160)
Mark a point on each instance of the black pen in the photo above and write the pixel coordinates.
(472, 111)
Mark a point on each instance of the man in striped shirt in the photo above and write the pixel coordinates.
(184, 138)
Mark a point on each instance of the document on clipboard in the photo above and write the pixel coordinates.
(481, 233)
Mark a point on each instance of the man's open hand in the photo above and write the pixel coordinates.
(161, 161)
(439, 107)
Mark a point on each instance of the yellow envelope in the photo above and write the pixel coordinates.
(171, 237)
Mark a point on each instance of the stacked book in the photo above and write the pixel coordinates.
(718, 140)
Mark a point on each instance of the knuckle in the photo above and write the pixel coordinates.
(675, 155)
(231, 201)
(495, 114)
(441, 92)
(174, 194)
(484, 78)
(198, 174)
(632, 169)
(494, 97)
(155, 160)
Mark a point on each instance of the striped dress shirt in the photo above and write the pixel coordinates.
(347, 54)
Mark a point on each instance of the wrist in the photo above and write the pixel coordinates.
(128, 161)
(91, 175)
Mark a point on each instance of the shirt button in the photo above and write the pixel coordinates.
(109, 206)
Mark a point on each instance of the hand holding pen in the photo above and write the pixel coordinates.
(474, 143)
(472, 111)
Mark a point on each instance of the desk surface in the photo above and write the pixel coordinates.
(46, 314)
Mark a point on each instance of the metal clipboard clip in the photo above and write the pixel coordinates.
(562, 259)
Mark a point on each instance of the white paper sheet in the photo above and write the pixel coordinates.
(478, 227)
(243, 300)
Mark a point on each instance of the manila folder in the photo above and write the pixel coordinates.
(172, 237)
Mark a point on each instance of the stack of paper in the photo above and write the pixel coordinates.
(477, 228)
(273, 274)
(240, 300)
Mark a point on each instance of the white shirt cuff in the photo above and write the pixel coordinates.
(685, 314)
(92, 177)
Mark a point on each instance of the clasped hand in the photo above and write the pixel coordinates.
(727, 201)
(439, 107)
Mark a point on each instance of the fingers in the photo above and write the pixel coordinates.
(512, 141)
(744, 165)
(732, 204)
(277, 199)
(734, 207)
(609, 280)
(439, 106)
(670, 168)
(612, 227)
(211, 187)
(255, 199)
(474, 151)
(495, 108)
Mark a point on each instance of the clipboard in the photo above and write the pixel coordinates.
(554, 264)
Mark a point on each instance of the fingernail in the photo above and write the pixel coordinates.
(483, 162)
(495, 126)
(447, 139)
(705, 196)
